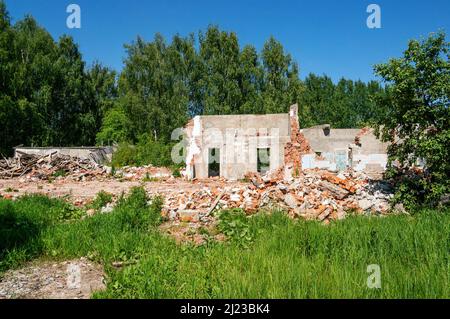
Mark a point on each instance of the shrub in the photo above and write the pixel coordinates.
(176, 172)
(157, 153)
(147, 151)
(234, 224)
(101, 200)
(136, 213)
(126, 154)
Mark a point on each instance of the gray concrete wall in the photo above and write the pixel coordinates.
(238, 137)
(336, 139)
(334, 145)
(98, 154)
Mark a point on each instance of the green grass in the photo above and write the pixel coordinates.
(102, 199)
(267, 256)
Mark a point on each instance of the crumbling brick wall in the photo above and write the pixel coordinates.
(298, 145)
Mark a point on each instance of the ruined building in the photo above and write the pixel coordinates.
(233, 145)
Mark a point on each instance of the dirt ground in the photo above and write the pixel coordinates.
(80, 193)
(75, 279)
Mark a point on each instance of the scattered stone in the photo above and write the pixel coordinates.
(75, 279)
(365, 204)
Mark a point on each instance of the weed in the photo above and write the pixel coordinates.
(101, 200)
(59, 173)
(235, 225)
(176, 172)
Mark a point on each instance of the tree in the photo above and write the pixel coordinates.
(281, 86)
(102, 81)
(220, 55)
(115, 128)
(250, 82)
(417, 119)
(155, 83)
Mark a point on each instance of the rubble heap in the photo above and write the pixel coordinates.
(144, 172)
(44, 167)
(317, 195)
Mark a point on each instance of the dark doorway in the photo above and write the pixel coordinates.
(214, 162)
(263, 160)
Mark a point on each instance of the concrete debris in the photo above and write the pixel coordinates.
(45, 167)
(58, 166)
(315, 194)
(75, 279)
(147, 172)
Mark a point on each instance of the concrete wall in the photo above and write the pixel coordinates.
(358, 148)
(324, 139)
(98, 154)
(237, 137)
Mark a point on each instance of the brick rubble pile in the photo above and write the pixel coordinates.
(315, 194)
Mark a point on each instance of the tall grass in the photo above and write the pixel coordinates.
(280, 258)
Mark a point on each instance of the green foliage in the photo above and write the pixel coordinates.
(115, 127)
(346, 104)
(417, 120)
(176, 172)
(125, 155)
(147, 151)
(153, 152)
(281, 85)
(101, 200)
(135, 211)
(59, 173)
(235, 225)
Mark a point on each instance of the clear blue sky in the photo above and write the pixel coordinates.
(323, 36)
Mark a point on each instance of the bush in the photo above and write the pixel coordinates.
(147, 151)
(176, 172)
(235, 225)
(125, 155)
(135, 211)
(115, 127)
(101, 200)
(153, 152)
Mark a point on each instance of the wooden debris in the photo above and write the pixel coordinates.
(47, 166)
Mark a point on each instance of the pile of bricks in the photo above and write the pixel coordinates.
(315, 194)
(143, 173)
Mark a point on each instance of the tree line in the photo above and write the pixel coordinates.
(49, 97)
